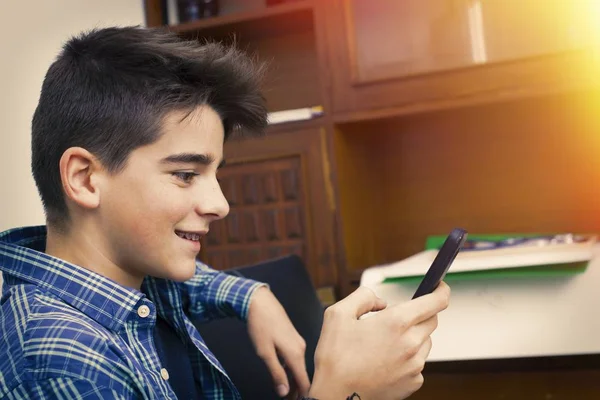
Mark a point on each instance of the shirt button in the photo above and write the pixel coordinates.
(143, 311)
(164, 373)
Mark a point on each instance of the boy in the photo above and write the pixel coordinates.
(127, 139)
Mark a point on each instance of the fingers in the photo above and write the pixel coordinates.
(426, 328)
(415, 367)
(359, 302)
(418, 361)
(296, 363)
(423, 308)
(412, 341)
(294, 357)
(293, 394)
(426, 349)
(277, 371)
(443, 288)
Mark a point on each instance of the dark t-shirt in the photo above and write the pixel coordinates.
(174, 357)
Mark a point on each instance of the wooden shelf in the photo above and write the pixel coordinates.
(281, 36)
(267, 21)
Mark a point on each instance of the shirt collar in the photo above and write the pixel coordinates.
(100, 298)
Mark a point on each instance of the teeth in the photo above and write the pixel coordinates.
(189, 236)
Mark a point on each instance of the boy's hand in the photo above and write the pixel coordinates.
(274, 336)
(380, 357)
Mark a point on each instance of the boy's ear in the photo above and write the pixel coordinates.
(79, 171)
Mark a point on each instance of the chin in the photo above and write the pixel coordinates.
(180, 274)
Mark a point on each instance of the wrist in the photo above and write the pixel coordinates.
(328, 388)
(258, 292)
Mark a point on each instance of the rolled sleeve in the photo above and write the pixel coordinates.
(212, 294)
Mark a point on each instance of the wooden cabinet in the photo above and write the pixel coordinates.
(278, 186)
(406, 85)
(280, 198)
(395, 57)
(523, 166)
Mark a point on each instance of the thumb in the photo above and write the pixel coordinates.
(278, 374)
(362, 301)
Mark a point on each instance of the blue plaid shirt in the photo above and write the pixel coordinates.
(69, 333)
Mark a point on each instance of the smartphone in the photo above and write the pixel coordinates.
(436, 273)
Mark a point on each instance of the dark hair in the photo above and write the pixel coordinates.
(109, 89)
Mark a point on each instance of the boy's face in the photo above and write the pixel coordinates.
(154, 212)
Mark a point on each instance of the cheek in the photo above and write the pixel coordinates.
(143, 222)
(153, 202)
(170, 207)
(142, 213)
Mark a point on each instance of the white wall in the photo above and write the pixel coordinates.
(31, 34)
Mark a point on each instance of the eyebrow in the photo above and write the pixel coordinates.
(191, 158)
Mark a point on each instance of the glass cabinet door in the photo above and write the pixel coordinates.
(397, 38)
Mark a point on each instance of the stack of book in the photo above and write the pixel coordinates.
(495, 256)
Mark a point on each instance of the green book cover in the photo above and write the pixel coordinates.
(534, 271)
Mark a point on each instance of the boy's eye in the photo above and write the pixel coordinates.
(185, 177)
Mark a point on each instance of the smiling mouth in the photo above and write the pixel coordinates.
(193, 236)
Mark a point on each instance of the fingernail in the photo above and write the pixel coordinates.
(282, 390)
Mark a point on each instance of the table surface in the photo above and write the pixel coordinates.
(513, 318)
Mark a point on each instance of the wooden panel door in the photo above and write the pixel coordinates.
(393, 57)
(280, 195)
(267, 217)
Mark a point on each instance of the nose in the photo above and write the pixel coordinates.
(211, 202)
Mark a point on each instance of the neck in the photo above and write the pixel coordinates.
(87, 250)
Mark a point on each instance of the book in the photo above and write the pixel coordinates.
(495, 256)
(298, 114)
